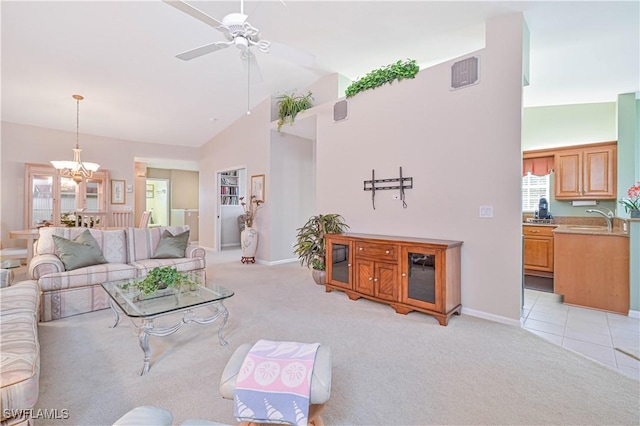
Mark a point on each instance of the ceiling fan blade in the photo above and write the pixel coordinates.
(202, 50)
(292, 54)
(196, 13)
(251, 66)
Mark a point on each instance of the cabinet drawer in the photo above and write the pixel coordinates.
(538, 231)
(379, 251)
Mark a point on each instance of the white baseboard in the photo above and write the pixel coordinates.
(230, 245)
(277, 262)
(491, 317)
(634, 314)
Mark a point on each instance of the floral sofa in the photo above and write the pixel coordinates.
(20, 351)
(128, 253)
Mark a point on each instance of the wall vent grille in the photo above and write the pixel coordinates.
(340, 110)
(465, 73)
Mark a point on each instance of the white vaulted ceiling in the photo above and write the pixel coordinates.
(120, 55)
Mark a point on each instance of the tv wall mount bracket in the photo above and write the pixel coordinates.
(374, 185)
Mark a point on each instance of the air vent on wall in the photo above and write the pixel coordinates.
(340, 110)
(465, 73)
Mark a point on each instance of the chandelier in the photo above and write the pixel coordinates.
(76, 169)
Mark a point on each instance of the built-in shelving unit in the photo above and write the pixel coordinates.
(229, 188)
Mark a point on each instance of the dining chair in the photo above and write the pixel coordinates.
(144, 219)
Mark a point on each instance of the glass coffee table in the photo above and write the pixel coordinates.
(142, 309)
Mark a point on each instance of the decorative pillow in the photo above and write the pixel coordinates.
(171, 246)
(82, 251)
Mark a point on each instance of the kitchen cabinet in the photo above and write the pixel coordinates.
(586, 173)
(50, 195)
(538, 250)
(409, 274)
(592, 270)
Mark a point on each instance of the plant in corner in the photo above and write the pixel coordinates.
(310, 241)
(289, 105)
(387, 74)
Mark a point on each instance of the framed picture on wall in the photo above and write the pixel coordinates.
(117, 191)
(257, 187)
(150, 190)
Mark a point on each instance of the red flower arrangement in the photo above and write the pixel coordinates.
(633, 200)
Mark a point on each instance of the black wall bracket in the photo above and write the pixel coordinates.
(374, 185)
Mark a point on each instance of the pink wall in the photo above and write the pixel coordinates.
(28, 144)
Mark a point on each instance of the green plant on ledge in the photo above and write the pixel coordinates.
(387, 74)
(289, 105)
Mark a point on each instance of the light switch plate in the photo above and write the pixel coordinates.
(486, 211)
(129, 188)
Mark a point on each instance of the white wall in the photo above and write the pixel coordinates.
(243, 144)
(462, 149)
(293, 200)
(29, 144)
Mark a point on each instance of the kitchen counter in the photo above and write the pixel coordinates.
(589, 230)
(581, 225)
(591, 268)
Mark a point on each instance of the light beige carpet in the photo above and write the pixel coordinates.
(388, 369)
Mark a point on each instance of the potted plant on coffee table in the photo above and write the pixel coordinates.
(161, 278)
(310, 242)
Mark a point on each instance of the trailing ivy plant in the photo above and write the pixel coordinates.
(387, 74)
(289, 105)
(158, 279)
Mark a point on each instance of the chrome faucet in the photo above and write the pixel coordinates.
(608, 216)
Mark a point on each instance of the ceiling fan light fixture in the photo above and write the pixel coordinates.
(241, 43)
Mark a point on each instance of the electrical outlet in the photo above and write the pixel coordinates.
(486, 211)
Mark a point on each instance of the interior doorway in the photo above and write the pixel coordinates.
(231, 186)
(158, 196)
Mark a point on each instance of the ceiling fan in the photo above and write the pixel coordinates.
(241, 34)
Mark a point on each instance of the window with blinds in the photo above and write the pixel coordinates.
(533, 188)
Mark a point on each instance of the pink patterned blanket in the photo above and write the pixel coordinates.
(274, 383)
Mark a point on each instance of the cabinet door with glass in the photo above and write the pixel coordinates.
(339, 258)
(420, 274)
(51, 196)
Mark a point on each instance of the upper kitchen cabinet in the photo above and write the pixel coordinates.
(587, 172)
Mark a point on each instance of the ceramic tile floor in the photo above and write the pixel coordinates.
(592, 333)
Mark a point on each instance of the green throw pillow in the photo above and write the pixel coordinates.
(82, 251)
(171, 246)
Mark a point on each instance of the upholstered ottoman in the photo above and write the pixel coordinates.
(320, 379)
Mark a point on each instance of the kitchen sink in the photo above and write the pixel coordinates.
(586, 228)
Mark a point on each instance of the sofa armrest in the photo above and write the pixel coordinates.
(44, 264)
(194, 251)
(6, 277)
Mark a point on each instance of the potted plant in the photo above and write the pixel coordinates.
(632, 202)
(289, 105)
(387, 74)
(160, 278)
(310, 242)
